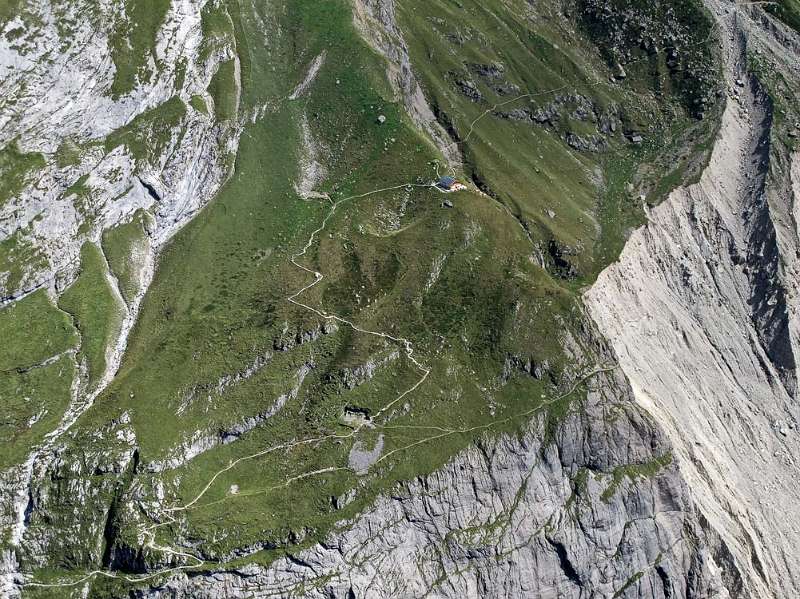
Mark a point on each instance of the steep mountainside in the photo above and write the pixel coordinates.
(250, 349)
(701, 309)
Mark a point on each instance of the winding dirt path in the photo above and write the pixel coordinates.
(407, 346)
(169, 514)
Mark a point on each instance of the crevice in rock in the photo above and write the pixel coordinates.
(560, 266)
(730, 573)
(666, 585)
(28, 509)
(445, 122)
(566, 565)
(151, 191)
(481, 184)
(117, 555)
(767, 300)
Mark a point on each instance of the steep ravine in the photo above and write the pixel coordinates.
(698, 312)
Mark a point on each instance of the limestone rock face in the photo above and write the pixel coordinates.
(701, 310)
(108, 146)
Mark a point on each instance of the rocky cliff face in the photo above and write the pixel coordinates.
(701, 311)
(115, 132)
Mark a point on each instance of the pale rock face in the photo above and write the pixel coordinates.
(60, 82)
(701, 310)
(312, 170)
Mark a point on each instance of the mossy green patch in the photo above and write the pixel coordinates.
(125, 247)
(36, 372)
(217, 26)
(149, 135)
(133, 43)
(80, 190)
(9, 9)
(199, 104)
(33, 330)
(223, 89)
(96, 309)
(180, 75)
(628, 583)
(68, 154)
(17, 169)
(634, 471)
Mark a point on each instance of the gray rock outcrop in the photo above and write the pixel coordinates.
(598, 509)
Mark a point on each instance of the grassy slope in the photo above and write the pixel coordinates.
(219, 298)
(223, 90)
(17, 255)
(32, 397)
(33, 329)
(199, 104)
(16, 169)
(96, 310)
(33, 402)
(216, 302)
(10, 9)
(529, 168)
(124, 246)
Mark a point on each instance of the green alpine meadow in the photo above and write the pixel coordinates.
(364, 299)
